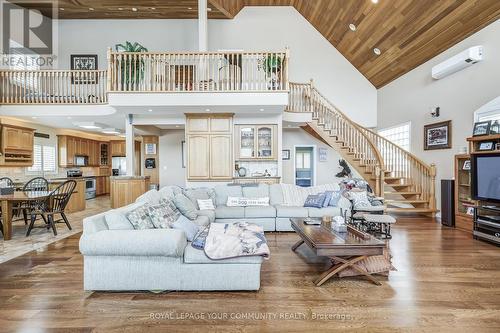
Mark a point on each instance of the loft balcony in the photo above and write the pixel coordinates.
(157, 79)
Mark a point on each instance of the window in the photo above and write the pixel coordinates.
(493, 115)
(399, 135)
(44, 157)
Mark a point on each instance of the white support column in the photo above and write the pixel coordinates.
(202, 26)
(129, 144)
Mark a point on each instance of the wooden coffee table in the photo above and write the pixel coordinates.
(345, 249)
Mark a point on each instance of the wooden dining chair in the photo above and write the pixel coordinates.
(36, 184)
(53, 205)
(9, 183)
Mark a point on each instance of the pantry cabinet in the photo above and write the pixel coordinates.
(209, 147)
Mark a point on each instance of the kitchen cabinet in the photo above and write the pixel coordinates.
(102, 185)
(256, 142)
(117, 148)
(209, 147)
(104, 154)
(70, 146)
(16, 146)
(124, 190)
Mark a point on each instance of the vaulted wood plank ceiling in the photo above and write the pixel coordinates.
(407, 32)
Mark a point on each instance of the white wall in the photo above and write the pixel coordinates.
(410, 97)
(325, 171)
(170, 158)
(253, 29)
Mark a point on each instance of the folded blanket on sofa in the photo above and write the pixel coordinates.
(231, 240)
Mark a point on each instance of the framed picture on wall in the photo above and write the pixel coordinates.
(437, 135)
(84, 62)
(323, 154)
(285, 154)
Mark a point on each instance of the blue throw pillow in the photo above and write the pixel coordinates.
(315, 201)
(328, 197)
(186, 225)
(334, 201)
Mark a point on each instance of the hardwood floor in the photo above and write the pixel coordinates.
(445, 282)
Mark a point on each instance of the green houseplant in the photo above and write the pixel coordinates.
(131, 68)
(272, 64)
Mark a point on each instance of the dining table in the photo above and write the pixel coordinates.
(9, 200)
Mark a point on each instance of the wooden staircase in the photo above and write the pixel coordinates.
(406, 183)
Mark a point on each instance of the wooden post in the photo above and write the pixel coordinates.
(109, 71)
(287, 60)
(311, 104)
(432, 191)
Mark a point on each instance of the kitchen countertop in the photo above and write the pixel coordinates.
(256, 177)
(129, 177)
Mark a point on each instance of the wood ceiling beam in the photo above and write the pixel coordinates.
(230, 8)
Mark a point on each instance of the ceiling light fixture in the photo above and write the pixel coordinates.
(352, 27)
(207, 110)
(190, 8)
(261, 110)
(134, 9)
(153, 8)
(150, 110)
(375, 1)
(209, 9)
(34, 117)
(177, 126)
(377, 51)
(91, 9)
(62, 9)
(120, 8)
(111, 131)
(89, 125)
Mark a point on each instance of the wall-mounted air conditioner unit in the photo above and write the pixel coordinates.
(456, 63)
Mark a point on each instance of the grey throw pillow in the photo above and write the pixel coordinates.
(185, 206)
(163, 215)
(186, 225)
(139, 218)
(202, 193)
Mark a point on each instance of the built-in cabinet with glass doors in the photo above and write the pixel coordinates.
(256, 142)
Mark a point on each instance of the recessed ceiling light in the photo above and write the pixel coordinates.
(352, 27)
(150, 110)
(34, 117)
(209, 9)
(375, 1)
(88, 125)
(134, 9)
(376, 51)
(177, 126)
(120, 8)
(153, 8)
(261, 109)
(91, 9)
(62, 9)
(189, 8)
(208, 110)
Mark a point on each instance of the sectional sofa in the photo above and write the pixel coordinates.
(121, 259)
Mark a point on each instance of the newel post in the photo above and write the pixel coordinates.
(287, 64)
(109, 70)
(311, 103)
(432, 194)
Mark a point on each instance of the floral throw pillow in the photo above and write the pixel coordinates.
(360, 199)
(139, 218)
(163, 215)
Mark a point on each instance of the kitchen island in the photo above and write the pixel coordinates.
(125, 189)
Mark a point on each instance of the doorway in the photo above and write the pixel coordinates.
(305, 168)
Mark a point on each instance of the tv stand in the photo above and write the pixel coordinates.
(487, 223)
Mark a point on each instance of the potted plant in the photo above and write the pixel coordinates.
(132, 69)
(272, 64)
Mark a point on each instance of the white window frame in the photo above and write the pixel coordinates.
(42, 142)
(408, 123)
(489, 109)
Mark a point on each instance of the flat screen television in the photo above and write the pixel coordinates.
(485, 177)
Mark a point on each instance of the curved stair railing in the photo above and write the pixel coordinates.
(380, 157)
(305, 98)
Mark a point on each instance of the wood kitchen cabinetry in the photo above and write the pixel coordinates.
(70, 146)
(117, 148)
(16, 146)
(209, 146)
(102, 185)
(256, 142)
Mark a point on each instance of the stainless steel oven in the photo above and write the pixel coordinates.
(90, 184)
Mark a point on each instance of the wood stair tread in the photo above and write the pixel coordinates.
(402, 192)
(399, 185)
(408, 201)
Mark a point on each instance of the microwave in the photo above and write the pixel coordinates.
(81, 160)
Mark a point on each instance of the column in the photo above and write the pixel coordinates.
(202, 26)
(129, 144)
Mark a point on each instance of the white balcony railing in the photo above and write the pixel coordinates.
(198, 72)
(53, 87)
